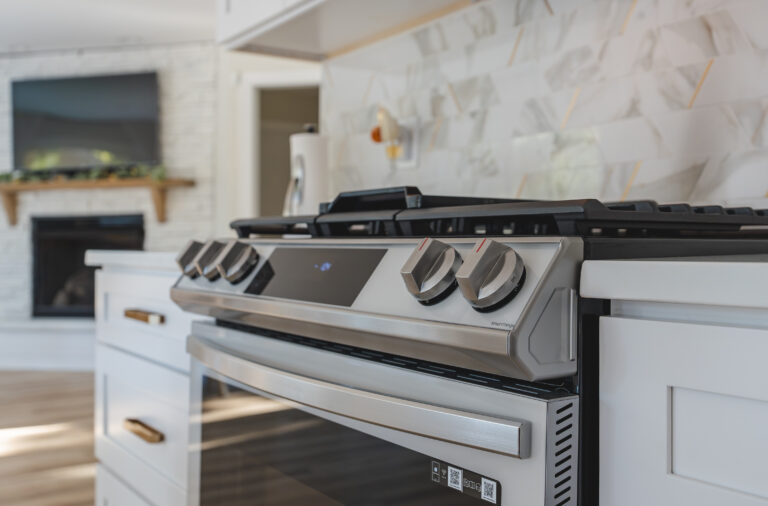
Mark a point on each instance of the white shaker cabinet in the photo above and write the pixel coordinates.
(683, 383)
(319, 29)
(142, 381)
(683, 414)
(110, 491)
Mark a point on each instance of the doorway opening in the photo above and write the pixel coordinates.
(281, 113)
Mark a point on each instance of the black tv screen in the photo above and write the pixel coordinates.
(85, 122)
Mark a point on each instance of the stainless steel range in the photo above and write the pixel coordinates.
(406, 349)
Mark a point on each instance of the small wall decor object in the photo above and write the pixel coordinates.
(400, 139)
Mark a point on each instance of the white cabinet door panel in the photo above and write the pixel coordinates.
(112, 492)
(131, 388)
(683, 414)
(163, 340)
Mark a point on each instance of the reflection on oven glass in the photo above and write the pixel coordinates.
(258, 451)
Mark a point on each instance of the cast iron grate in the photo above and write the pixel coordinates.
(405, 212)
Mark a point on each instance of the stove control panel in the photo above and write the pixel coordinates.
(496, 277)
(430, 272)
(491, 275)
(516, 297)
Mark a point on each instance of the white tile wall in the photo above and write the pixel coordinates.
(537, 99)
(187, 81)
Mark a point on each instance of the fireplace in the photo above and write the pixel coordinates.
(62, 284)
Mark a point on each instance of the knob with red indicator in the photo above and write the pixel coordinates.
(491, 275)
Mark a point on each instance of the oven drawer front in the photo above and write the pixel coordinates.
(134, 312)
(142, 412)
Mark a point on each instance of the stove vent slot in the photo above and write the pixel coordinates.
(675, 208)
(708, 210)
(739, 211)
(562, 453)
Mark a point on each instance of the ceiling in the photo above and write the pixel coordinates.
(41, 25)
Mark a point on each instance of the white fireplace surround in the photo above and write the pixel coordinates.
(187, 79)
(47, 344)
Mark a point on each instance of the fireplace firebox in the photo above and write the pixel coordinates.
(62, 284)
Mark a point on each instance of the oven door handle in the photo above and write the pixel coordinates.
(493, 434)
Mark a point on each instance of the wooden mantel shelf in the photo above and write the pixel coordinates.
(158, 188)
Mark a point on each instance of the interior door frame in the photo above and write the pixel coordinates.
(241, 75)
(249, 152)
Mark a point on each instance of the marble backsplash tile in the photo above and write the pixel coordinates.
(613, 99)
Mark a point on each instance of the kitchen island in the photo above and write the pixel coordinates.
(142, 380)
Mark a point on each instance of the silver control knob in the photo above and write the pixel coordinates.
(491, 275)
(187, 256)
(205, 259)
(429, 273)
(236, 261)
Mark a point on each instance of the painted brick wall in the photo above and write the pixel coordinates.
(615, 99)
(187, 80)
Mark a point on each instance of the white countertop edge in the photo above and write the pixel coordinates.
(155, 260)
(718, 283)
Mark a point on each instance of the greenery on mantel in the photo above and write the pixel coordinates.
(139, 171)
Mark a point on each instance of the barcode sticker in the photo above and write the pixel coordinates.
(488, 492)
(465, 481)
(455, 478)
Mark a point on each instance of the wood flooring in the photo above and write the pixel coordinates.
(46, 438)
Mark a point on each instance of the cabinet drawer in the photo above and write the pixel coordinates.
(134, 312)
(110, 491)
(142, 412)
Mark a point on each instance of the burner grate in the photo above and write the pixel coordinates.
(404, 212)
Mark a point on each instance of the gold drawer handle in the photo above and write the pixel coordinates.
(147, 317)
(144, 431)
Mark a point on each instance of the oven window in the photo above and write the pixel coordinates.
(259, 451)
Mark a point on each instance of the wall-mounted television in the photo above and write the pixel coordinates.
(85, 122)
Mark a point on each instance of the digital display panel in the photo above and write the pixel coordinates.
(325, 275)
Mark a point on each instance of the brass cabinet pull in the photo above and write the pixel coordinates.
(144, 431)
(147, 317)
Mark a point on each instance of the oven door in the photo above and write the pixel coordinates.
(279, 423)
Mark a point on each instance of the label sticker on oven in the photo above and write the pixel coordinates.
(465, 481)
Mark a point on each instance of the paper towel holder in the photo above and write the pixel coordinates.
(297, 194)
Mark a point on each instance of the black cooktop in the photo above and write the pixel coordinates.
(405, 212)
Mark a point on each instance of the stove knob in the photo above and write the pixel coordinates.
(205, 260)
(491, 275)
(236, 261)
(429, 273)
(187, 256)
